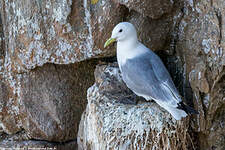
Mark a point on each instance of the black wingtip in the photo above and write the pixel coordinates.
(187, 109)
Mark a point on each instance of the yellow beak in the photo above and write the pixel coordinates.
(109, 41)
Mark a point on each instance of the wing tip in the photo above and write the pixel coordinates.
(187, 109)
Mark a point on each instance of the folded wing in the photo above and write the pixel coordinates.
(146, 75)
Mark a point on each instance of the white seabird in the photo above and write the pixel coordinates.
(144, 73)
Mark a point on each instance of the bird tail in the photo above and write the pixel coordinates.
(186, 108)
(178, 112)
(175, 112)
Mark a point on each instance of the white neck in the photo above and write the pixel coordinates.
(128, 49)
(127, 44)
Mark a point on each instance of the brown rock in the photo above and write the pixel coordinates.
(151, 8)
(2, 52)
(9, 119)
(156, 33)
(153, 33)
(20, 141)
(197, 78)
(60, 32)
(8, 108)
(53, 98)
(37, 145)
(109, 125)
(103, 20)
(201, 46)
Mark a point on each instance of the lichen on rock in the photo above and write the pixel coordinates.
(54, 32)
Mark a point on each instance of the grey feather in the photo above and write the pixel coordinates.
(147, 75)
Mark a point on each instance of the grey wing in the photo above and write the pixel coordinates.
(163, 75)
(142, 77)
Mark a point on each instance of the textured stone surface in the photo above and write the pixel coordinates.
(53, 98)
(153, 33)
(47, 102)
(8, 109)
(103, 20)
(21, 141)
(37, 145)
(201, 45)
(9, 116)
(59, 32)
(33, 33)
(151, 8)
(107, 124)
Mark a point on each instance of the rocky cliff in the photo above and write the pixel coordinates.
(48, 54)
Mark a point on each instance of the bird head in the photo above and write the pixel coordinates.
(122, 32)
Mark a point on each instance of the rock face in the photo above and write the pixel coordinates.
(7, 114)
(37, 145)
(60, 32)
(153, 8)
(49, 50)
(107, 124)
(21, 141)
(53, 99)
(201, 45)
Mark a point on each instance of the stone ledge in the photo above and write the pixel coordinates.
(107, 124)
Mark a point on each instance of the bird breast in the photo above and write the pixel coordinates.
(127, 51)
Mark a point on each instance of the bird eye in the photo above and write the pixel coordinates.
(120, 30)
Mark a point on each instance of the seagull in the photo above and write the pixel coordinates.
(144, 72)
